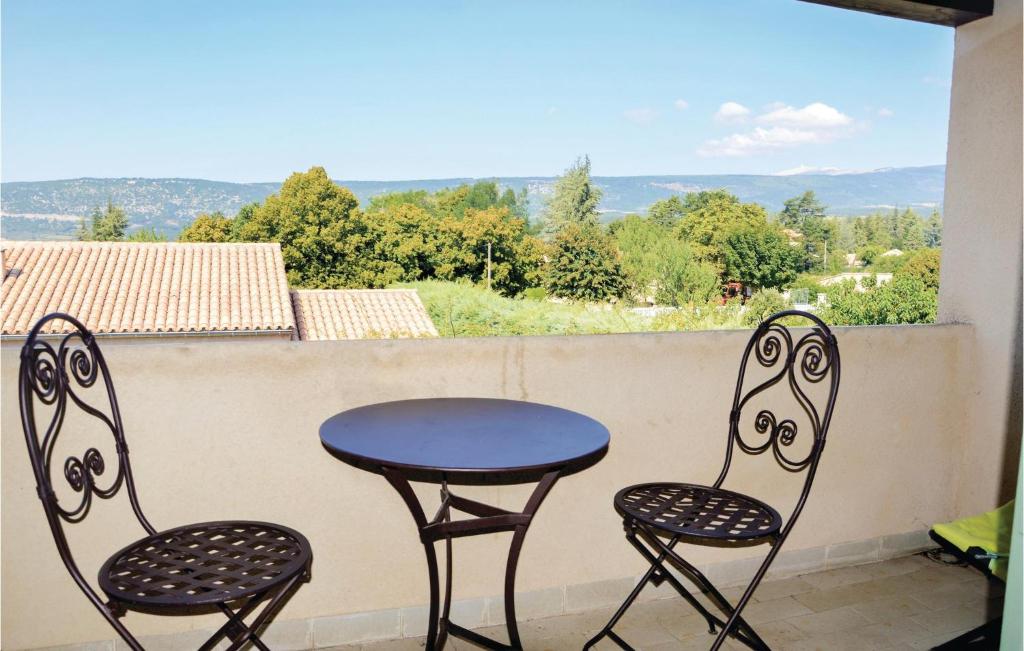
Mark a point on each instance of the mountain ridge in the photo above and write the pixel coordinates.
(51, 209)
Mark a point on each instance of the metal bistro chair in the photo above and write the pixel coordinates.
(658, 516)
(227, 566)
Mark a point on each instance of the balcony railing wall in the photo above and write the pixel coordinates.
(229, 430)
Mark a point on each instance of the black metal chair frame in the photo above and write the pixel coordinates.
(810, 359)
(229, 567)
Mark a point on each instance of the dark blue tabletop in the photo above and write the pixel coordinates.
(466, 440)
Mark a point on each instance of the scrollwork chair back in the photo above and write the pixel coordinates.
(60, 360)
(799, 364)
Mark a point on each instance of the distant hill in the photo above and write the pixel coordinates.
(51, 209)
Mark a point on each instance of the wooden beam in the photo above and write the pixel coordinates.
(951, 13)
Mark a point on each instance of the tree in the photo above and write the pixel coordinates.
(583, 264)
(924, 266)
(799, 210)
(933, 230)
(245, 213)
(659, 265)
(718, 213)
(763, 304)
(911, 231)
(107, 226)
(760, 256)
(575, 199)
(402, 244)
(872, 230)
(905, 299)
(207, 228)
(667, 212)
(147, 235)
(515, 256)
(319, 227)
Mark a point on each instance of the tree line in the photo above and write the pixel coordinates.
(680, 253)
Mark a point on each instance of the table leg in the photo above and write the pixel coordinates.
(489, 519)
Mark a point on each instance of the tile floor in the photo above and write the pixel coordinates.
(906, 603)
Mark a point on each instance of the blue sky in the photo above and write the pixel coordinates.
(251, 91)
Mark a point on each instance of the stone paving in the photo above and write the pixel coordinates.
(905, 603)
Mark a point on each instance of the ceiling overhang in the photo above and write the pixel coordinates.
(951, 13)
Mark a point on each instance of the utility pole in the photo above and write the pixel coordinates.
(824, 259)
(488, 266)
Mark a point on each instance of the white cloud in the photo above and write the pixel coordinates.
(732, 112)
(762, 140)
(813, 116)
(681, 104)
(808, 169)
(785, 127)
(640, 115)
(885, 113)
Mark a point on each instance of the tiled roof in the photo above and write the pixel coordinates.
(137, 287)
(360, 314)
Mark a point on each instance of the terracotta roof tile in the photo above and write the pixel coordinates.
(140, 287)
(360, 314)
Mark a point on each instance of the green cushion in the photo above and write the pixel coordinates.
(990, 531)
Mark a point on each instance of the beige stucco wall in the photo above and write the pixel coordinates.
(981, 264)
(229, 430)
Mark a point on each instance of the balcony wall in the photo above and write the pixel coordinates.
(223, 430)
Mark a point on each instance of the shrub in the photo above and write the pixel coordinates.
(762, 305)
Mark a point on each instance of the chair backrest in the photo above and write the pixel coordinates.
(51, 380)
(798, 364)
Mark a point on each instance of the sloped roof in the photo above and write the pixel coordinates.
(147, 287)
(322, 314)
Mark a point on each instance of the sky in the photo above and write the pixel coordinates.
(252, 91)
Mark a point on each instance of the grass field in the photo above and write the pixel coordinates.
(465, 310)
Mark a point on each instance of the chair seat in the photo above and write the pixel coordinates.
(698, 511)
(202, 564)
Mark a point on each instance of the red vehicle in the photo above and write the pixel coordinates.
(733, 289)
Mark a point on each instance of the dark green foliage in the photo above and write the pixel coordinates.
(106, 226)
(667, 212)
(318, 225)
(904, 300)
(661, 266)
(760, 256)
(584, 265)
(208, 228)
(924, 266)
(762, 305)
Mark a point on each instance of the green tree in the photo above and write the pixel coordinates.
(320, 229)
(515, 256)
(800, 210)
(106, 226)
(763, 304)
(583, 264)
(872, 230)
(716, 214)
(207, 228)
(911, 231)
(245, 213)
(667, 212)
(147, 235)
(924, 266)
(575, 198)
(659, 265)
(903, 300)
(760, 256)
(402, 245)
(933, 230)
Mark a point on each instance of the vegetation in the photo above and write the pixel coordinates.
(104, 226)
(488, 270)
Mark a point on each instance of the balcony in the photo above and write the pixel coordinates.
(927, 429)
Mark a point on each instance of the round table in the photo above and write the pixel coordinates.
(466, 441)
